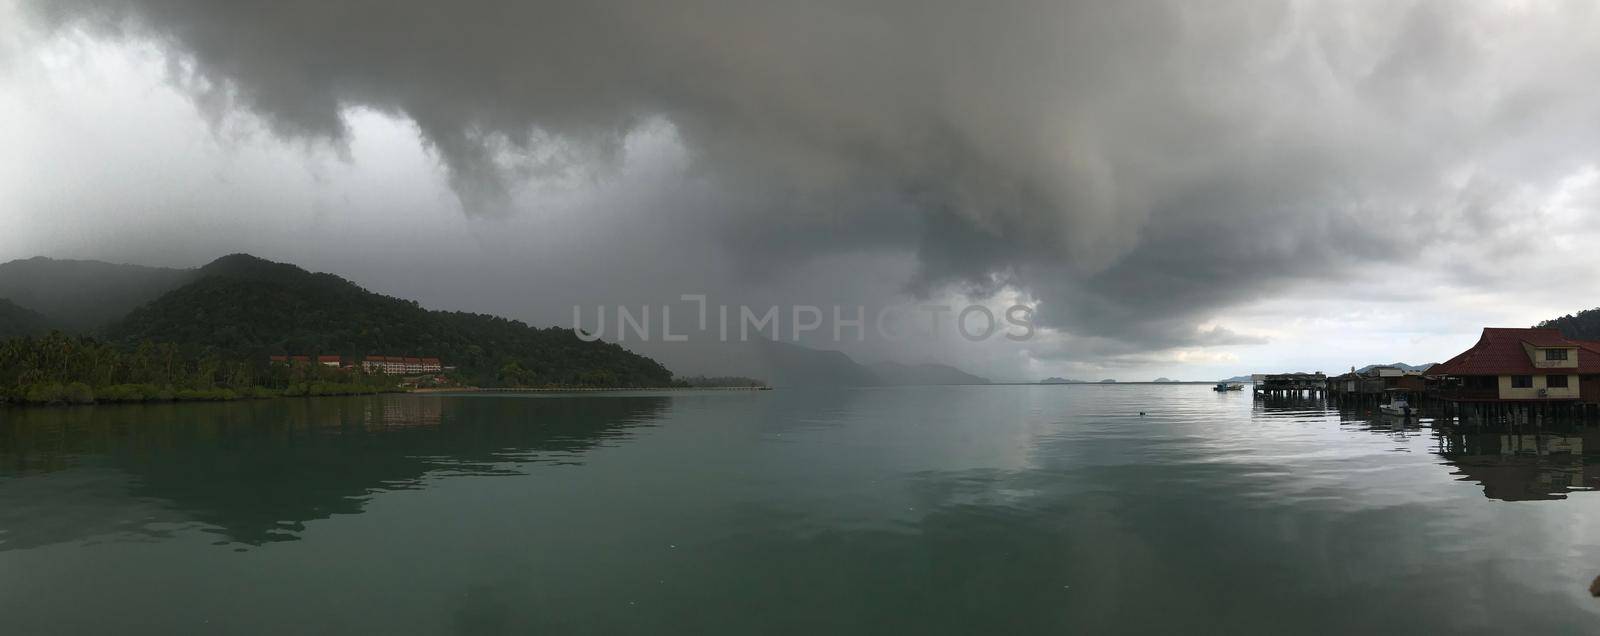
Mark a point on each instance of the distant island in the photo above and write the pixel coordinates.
(1162, 380)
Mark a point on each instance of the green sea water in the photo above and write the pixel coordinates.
(937, 510)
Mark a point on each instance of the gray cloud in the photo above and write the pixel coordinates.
(1133, 167)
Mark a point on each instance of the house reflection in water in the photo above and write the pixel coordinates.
(1522, 466)
(394, 413)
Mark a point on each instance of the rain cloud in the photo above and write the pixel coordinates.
(1133, 168)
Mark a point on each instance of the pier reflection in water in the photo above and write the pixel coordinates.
(1522, 465)
(1512, 461)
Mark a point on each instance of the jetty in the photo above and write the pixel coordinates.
(1512, 375)
(1290, 384)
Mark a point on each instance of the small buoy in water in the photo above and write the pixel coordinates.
(1594, 588)
(1141, 413)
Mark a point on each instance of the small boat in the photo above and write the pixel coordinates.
(1228, 386)
(1398, 405)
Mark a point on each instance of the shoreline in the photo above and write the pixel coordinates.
(475, 389)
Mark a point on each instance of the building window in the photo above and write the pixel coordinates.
(1555, 381)
(1555, 354)
(1521, 381)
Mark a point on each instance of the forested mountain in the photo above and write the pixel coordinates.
(84, 295)
(16, 320)
(1584, 325)
(245, 306)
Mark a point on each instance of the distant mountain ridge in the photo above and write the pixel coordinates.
(791, 365)
(927, 374)
(16, 320)
(245, 305)
(1398, 365)
(787, 364)
(84, 295)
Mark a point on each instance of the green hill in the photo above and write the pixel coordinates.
(82, 296)
(16, 320)
(1584, 325)
(241, 305)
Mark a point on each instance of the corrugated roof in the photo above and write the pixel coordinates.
(1500, 352)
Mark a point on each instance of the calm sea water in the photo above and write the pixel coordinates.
(1005, 509)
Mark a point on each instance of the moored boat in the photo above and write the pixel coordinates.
(1398, 404)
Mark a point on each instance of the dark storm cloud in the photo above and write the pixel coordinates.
(1133, 167)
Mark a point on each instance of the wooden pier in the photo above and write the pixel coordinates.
(1291, 384)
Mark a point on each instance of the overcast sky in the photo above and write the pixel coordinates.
(1190, 190)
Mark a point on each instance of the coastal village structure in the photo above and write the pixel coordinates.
(1281, 384)
(401, 365)
(1372, 383)
(1521, 365)
(1510, 374)
(391, 365)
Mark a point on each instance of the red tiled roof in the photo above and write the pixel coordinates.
(374, 358)
(1544, 337)
(278, 358)
(414, 360)
(394, 359)
(430, 361)
(1500, 352)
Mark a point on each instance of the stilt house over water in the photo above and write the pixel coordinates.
(1521, 365)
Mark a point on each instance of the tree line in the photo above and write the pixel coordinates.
(62, 369)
